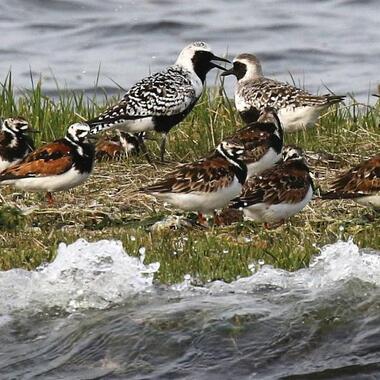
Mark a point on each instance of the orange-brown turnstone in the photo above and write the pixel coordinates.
(15, 142)
(123, 144)
(60, 165)
(361, 183)
(262, 141)
(160, 101)
(277, 193)
(205, 185)
(296, 108)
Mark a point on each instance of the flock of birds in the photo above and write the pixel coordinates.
(250, 170)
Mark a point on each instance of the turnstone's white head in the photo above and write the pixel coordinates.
(231, 150)
(15, 126)
(197, 57)
(78, 132)
(292, 152)
(245, 67)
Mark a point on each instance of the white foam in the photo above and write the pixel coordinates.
(83, 275)
(336, 264)
(98, 275)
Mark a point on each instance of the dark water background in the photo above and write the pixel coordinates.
(334, 43)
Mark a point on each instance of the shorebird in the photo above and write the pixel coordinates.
(296, 108)
(277, 193)
(122, 145)
(59, 165)
(205, 185)
(15, 142)
(361, 183)
(162, 100)
(262, 141)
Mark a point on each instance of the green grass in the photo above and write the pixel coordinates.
(107, 206)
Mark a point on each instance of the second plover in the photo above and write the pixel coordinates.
(59, 165)
(15, 142)
(296, 108)
(277, 193)
(361, 183)
(205, 185)
(262, 140)
(162, 100)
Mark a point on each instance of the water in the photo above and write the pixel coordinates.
(333, 43)
(95, 312)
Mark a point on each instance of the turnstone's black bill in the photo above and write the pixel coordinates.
(15, 142)
(361, 183)
(161, 101)
(262, 140)
(277, 193)
(123, 144)
(296, 108)
(60, 165)
(205, 185)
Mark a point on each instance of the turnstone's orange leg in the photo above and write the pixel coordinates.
(218, 221)
(50, 198)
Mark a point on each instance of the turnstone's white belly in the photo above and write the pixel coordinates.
(272, 213)
(370, 201)
(51, 183)
(265, 162)
(205, 202)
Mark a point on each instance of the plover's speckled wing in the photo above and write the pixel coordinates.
(166, 93)
(263, 92)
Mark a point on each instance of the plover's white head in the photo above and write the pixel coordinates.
(245, 67)
(15, 126)
(197, 57)
(78, 132)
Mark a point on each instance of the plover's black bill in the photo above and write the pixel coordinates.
(228, 72)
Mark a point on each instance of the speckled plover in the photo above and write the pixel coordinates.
(160, 101)
(262, 140)
(361, 183)
(59, 165)
(205, 185)
(277, 193)
(15, 142)
(297, 109)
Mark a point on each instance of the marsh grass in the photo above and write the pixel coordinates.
(108, 206)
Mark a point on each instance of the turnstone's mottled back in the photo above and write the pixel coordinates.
(160, 101)
(361, 183)
(277, 193)
(15, 143)
(205, 185)
(297, 109)
(60, 165)
(262, 140)
(121, 145)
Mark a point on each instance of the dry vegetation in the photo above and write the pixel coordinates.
(109, 207)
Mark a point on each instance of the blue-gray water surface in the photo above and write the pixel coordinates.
(321, 43)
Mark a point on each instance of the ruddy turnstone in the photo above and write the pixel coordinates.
(277, 193)
(122, 145)
(15, 142)
(60, 165)
(205, 185)
(262, 142)
(296, 108)
(361, 183)
(162, 100)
